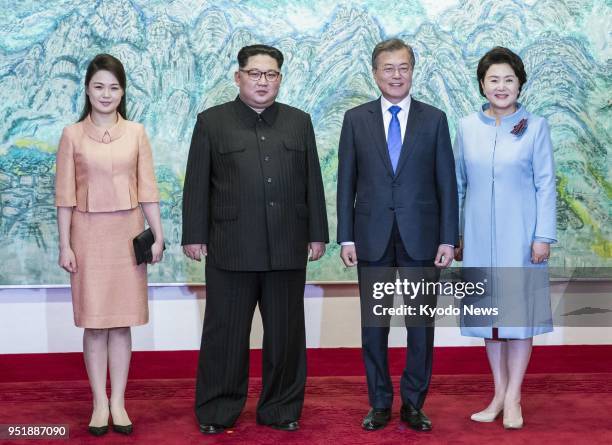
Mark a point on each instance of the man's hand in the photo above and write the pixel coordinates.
(539, 252)
(444, 257)
(348, 253)
(194, 251)
(316, 249)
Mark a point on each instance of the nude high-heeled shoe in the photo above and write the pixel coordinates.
(486, 416)
(514, 424)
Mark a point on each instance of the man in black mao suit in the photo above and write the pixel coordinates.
(397, 207)
(253, 204)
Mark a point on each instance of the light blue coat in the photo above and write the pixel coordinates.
(507, 199)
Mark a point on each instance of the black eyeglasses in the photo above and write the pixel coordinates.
(271, 76)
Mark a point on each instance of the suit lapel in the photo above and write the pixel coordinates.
(377, 129)
(411, 137)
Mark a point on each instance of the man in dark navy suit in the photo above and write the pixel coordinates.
(397, 207)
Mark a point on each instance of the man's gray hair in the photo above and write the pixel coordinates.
(391, 45)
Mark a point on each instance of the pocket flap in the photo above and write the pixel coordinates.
(294, 145)
(226, 149)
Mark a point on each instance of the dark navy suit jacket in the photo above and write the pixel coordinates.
(421, 195)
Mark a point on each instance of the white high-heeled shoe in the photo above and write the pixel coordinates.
(485, 416)
(514, 424)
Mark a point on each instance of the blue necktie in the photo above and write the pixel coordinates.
(394, 137)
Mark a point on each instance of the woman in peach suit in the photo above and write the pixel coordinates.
(104, 184)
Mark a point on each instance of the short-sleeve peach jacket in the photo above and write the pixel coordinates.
(104, 170)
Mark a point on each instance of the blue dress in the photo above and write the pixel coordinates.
(507, 199)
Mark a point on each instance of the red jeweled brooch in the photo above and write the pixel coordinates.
(519, 128)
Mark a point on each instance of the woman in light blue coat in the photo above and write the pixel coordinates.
(506, 183)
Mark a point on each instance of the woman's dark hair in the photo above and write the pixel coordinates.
(254, 50)
(109, 63)
(499, 54)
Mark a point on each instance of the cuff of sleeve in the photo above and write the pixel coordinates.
(148, 197)
(542, 239)
(347, 243)
(61, 202)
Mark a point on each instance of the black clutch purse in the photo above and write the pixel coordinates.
(142, 246)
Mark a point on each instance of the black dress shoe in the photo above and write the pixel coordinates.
(123, 429)
(211, 428)
(289, 425)
(415, 418)
(98, 430)
(376, 419)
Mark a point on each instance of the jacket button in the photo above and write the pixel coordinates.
(263, 138)
(271, 203)
(268, 180)
(267, 158)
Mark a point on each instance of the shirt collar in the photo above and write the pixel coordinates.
(104, 135)
(250, 116)
(404, 104)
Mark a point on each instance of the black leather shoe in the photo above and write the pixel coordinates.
(289, 425)
(415, 418)
(123, 429)
(98, 430)
(211, 429)
(376, 419)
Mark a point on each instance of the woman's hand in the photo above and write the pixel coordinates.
(539, 252)
(157, 251)
(152, 213)
(67, 260)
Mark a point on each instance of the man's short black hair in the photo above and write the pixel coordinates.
(497, 55)
(254, 50)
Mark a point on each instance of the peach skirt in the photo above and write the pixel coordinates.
(108, 290)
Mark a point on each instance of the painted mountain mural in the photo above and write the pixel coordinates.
(180, 59)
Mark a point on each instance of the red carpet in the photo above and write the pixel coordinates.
(321, 362)
(567, 398)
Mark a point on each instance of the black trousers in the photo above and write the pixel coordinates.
(416, 376)
(223, 366)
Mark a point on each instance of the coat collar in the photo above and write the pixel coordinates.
(377, 128)
(411, 139)
(506, 121)
(250, 116)
(104, 135)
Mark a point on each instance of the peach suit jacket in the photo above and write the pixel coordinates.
(104, 170)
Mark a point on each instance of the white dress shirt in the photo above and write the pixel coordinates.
(402, 116)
